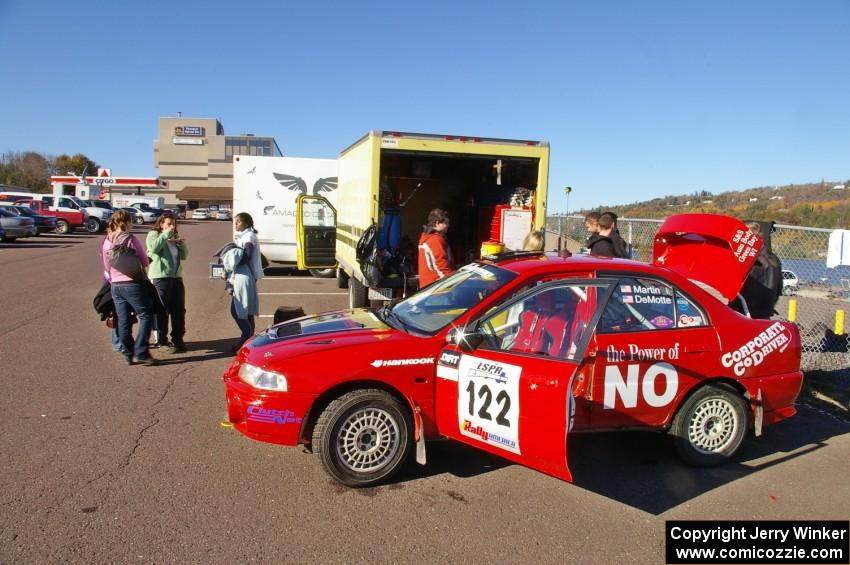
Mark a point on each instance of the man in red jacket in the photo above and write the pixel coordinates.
(435, 257)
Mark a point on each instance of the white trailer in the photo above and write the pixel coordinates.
(127, 200)
(268, 187)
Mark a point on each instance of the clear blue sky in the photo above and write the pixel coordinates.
(637, 99)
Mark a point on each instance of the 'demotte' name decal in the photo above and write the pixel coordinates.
(639, 294)
(400, 362)
(752, 354)
(744, 244)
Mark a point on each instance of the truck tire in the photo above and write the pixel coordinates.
(363, 437)
(341, 278)
(710, 426)
(63, 227)
(358, 295)
(322, 273)
(92, 225)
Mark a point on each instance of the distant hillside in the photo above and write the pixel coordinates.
(814, 205)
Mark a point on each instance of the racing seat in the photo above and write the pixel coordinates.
(532, 336)
(559, 327)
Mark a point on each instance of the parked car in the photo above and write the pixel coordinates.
(790, 282)
(223, 215)
(15, 226)
(42, 223)
(178, 213)
(103, 204)
(200, 214)
(133, 215)
(65, 220)
(515, 354)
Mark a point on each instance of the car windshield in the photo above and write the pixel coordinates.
(20, 211)
(443, 302)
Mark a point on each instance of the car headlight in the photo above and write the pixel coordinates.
(260, 378)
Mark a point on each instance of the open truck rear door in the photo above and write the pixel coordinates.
(315, 226)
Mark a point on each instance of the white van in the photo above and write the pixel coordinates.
(268, 188)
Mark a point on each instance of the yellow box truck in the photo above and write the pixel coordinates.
(493, 189)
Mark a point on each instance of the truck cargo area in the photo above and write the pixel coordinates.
(473, 189)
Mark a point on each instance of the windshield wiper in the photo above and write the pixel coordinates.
(387, 313)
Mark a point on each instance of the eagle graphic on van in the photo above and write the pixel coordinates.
(297, 184)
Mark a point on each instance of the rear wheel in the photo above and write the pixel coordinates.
(357, 294)
(92, 225)
(8, 239)
(341, 278)
(322, 273)
(139, 219)
(63, 227)
(710, 426)
(363, 437)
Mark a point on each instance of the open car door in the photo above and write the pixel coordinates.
(315, 226)
(507, 387)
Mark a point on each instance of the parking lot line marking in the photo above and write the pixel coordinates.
(266, 278)
(297, 293)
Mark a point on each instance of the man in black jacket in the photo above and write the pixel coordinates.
(601, 243)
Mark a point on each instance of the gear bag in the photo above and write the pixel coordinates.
(368, 256)
(124, 259)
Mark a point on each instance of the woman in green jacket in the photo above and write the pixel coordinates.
(167, 250)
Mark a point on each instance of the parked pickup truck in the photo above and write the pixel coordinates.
(65, 221)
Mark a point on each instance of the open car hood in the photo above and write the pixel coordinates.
(714, 251)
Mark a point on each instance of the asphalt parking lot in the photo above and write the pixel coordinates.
(105, 463)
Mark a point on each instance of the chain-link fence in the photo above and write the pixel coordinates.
(814, 296)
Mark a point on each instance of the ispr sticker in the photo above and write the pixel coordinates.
(488, 402)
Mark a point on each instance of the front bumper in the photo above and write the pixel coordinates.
(273, 417)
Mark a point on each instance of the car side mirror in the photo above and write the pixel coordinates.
(468, 340)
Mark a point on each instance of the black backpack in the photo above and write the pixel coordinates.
(368, 256)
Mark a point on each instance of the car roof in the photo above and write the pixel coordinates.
(542, 264)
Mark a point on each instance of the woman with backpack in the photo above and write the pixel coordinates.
(124, 262)
(167, 250)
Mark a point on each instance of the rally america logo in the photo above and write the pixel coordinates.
(399, 362)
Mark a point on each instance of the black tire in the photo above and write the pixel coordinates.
(363, 437)
(63, 227)
(341, 278)
(710, 426)
(358, 295)
(139, 220)
(322, 273)
(9, 239)
(92, 225)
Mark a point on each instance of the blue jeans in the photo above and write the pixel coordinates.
(133, 297)
(246, 325)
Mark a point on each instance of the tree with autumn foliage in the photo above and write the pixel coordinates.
(32, 170)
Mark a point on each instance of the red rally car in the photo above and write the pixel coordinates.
(512, 355)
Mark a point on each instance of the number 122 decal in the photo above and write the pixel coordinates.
(488, 402)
